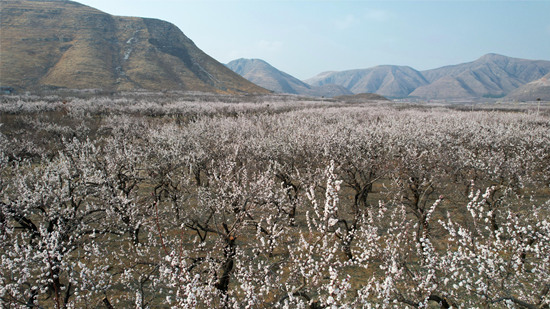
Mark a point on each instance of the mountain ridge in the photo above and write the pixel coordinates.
(490, 76)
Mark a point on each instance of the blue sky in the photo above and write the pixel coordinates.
(306, 37)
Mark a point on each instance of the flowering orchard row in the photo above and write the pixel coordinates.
(288, 206)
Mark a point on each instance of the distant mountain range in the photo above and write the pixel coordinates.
(48, 44)
(265, 75)
(491, 76)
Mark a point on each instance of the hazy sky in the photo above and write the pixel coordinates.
(306, 37)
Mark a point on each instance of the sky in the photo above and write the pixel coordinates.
(305, 37)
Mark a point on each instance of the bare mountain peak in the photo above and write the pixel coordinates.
(244, 66)
(493, 57)
(249, 60)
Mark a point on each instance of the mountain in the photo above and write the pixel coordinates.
(489, 76)
(265, 75)
(386, 80)
(537, 89)
(47, 44)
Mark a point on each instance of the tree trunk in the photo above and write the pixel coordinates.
(227, 267)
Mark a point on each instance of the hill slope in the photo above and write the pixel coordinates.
(386, 80)
(50, 44)
(265, 75)
(489, 76)
(538, 89)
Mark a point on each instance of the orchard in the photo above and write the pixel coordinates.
(210, 202)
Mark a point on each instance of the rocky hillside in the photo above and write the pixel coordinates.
(538, 89)
(63, 44)
(386, 80)
(489, 76)
(265, 75)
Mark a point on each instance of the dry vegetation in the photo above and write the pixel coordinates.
(196, 201)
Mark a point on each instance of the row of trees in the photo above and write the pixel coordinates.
(306, 208)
